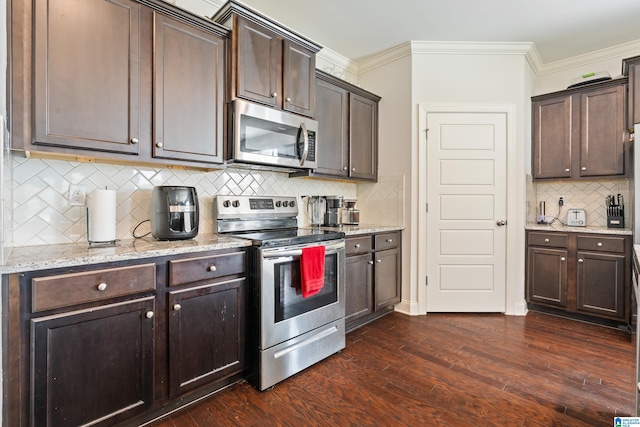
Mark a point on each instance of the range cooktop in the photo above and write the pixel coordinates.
(289, 237)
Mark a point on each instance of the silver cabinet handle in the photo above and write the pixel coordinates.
(357, 245)
(159, 144)
(274, 94)
(102, 286)
(177, 307)
(353, 169)
(638, 386)
(370, 262)
(212, 268)
(134, 140)
(546, 240)
(149, 314)
(567, 170)
(378, 261)
(599, 244)
(583, 168)
(580, 260)
(389, 240)
(345, 168)
(563, 259)
(287, 99)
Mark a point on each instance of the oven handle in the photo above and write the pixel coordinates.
(297, 252)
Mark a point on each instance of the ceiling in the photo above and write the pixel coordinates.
(560, 29)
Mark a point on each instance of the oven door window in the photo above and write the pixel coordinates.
(267, 138)
(289, 302)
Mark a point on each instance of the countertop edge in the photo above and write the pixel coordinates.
(584, 230)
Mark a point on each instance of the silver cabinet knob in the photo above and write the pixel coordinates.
(563, 259)
(599, 244)
(378, 261)
(102, 286)
(149, 314)
(389, 240)
(353, 169)
(370, 262)
(583, 168)
(288, 99)
(345, 168)
(357, 245)
(177, 307)
(567, 170)
(274, 94)
(212, 268)
(159, 144)
(546, 240)
(134, 140)
(580, 260)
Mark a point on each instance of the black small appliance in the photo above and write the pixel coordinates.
(174, 213)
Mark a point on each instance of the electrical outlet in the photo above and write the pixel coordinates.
(561, 200)
(77, 195)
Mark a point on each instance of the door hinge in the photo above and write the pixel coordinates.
(426, 280)
(427, 207)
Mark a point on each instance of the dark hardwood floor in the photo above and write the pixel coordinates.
(446, 370)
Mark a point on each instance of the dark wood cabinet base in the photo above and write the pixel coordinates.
(594, 320)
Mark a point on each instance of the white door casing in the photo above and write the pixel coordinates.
(464, 166)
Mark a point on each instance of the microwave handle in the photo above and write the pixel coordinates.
(305, 149)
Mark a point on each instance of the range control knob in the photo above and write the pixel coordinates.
(278, 204)
(292, 203)
(285, 204)
(226, 203)
(235, 203)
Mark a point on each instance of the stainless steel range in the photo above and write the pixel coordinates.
(295, 331)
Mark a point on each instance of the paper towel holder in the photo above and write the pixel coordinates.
(101, 218)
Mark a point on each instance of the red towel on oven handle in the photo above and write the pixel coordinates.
(312, 270)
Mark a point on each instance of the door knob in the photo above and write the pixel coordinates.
(501, 222)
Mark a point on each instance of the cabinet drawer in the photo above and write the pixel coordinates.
(555, 240)
(358, 245)
(602, 244)
(205, 268)
(387, 241)
(88, 286)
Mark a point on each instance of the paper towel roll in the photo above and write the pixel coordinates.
(101, 216)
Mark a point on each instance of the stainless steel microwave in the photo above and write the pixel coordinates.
(268, 137)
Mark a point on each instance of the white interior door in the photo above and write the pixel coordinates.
(466, 196)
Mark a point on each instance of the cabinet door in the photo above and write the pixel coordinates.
(298, 79)
(188, 80)
(552, 137)
(87, 74)
(547, 276)
(359, 286)
(602, 126)
(601, 284)
(93, 366)
(363, 138)
(332, 114)
(633, 109)
(206, 334)
(259, 63)
(386, 278)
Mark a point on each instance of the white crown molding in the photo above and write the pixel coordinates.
(340, 61)
(451, 48)
(619, 51)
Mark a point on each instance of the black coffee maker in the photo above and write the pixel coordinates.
(174, 213)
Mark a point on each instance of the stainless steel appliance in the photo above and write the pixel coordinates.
(350, 215)
(174, 213)
(294, 332)
(333, 214)
(264, 136)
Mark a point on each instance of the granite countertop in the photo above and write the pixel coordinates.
(568, 229)
(30, 258)
(354, 230)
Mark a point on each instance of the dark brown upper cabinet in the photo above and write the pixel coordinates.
(631, 68)
(87, 75)
(579, 133)
(188, 89)
(117, 80)
(270, 64)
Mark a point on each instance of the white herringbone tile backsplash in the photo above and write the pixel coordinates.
(588, 195)
(41, 214)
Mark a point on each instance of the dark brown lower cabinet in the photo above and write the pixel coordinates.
(206, 334)
(580, 274)
(373, 277)
(93, 367)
